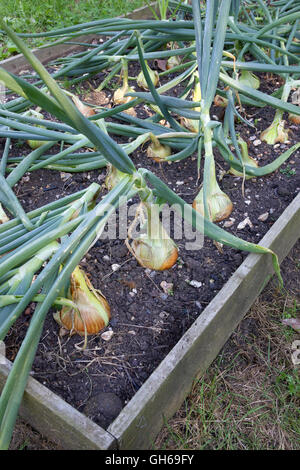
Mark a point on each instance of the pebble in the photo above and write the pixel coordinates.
(107, 335)
(196, 284)
(167, 287)
(164, 315)
(256, 142)
(263, 217)
(243, 224)
(115, 267)
(229, 223)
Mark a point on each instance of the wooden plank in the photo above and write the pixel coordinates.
(56, 419)
(163, 393)
(47, 53)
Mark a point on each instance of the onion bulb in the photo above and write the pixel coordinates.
(87, 111)
(172, 62)
(141, 81)
(153, 249)
(294, 118)
(119, 97)
(219, 204)
(157, 151)
(276, 131)
(113, 177)
(92, 311)
(34, 144)
(220, 101)
(249, 79)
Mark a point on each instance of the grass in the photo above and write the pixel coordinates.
(32, 16)
(249, 399)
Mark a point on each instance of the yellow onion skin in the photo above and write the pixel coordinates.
(294, 118)
(220, 101)
(114, 176)
(119, 97)
(157, 255)
(172, 62)
(249, 79)
(218, 200)
(141, 81)
(94, 310)
(158, 153)
(275, 133)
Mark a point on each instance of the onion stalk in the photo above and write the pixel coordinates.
(119, 95)
(193, 124)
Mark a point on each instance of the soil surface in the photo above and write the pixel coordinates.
(150, 310)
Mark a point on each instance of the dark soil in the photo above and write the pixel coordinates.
(146, 321)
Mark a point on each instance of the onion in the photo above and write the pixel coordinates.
(119, 97)
(172, 62)
(154, 249)
(249, 79)
(275, 132)
(113, 177)
(84, 109)
(34, 144)
(294, 118)
(92, 311)
(219, 205)
(220, 101)
(141, 81)
(157, 151)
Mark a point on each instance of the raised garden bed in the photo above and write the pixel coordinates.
(163, 340)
